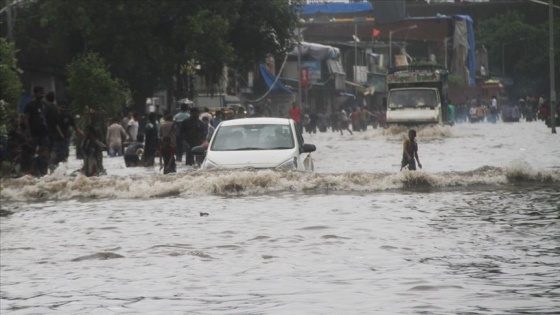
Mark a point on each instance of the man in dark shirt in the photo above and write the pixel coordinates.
(65, 121)
(151, 144)
(193, 132)
(51, 116)
(37, 130)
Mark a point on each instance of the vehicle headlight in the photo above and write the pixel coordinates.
(209, 165)
(288, 165)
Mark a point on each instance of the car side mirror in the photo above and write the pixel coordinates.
(308, 148)
(198, 150)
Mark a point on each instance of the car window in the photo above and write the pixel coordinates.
(253, 137)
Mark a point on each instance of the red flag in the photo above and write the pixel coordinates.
(375, 32)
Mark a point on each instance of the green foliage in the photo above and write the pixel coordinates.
(92, 88)
(10, 85)
(146, 42)
(209, 45)
(262, 27)
(10, 91)
(509, 32)
(520, 49)
(501, 28)
(456, 80)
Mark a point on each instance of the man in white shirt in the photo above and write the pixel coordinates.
(115, 135)
(494, 109)
(132, 128)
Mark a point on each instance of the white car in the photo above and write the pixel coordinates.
(257, 143)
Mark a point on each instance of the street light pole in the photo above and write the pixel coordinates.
(299, 61)
(551, 60)
(551, 69)
(391, 41)
(355, 58)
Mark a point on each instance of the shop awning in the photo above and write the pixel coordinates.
(348, 95)
(272, 82)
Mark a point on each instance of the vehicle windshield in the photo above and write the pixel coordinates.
(412, 99)
(253, 137)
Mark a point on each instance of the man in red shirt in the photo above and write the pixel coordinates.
(295, 114)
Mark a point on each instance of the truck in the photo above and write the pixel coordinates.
(417, 95)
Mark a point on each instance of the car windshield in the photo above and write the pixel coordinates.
(412, 98)
(253, 137)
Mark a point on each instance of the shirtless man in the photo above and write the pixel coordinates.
(410, 152)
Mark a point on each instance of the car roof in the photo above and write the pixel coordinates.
(257, 121)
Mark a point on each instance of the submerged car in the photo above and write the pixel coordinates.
(257, 143)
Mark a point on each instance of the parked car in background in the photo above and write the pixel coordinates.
(257, 143)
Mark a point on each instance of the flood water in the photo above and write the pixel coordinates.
(477, 231)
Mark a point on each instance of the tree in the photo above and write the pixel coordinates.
(521, 47)
(263, 27)
(93, 90)
(10, 86)
(129, 36)
(147, 42)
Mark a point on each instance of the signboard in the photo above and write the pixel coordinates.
(360, 74)
(314, 66)
(304, 76)
(416, 76)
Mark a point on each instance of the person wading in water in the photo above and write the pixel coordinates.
(410, 152)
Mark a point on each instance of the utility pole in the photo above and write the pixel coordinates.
(551, 65)
(551, 61)
(355, 59)
(299, 61)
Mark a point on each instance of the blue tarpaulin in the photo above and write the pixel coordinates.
(331, 8)
(470, 31)
(270, 80)
(350, 95)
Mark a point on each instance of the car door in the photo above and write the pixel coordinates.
(305, 161)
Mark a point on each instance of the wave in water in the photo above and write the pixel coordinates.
(245, 182)
(424, 132)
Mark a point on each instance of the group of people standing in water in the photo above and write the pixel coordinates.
(39, 140)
